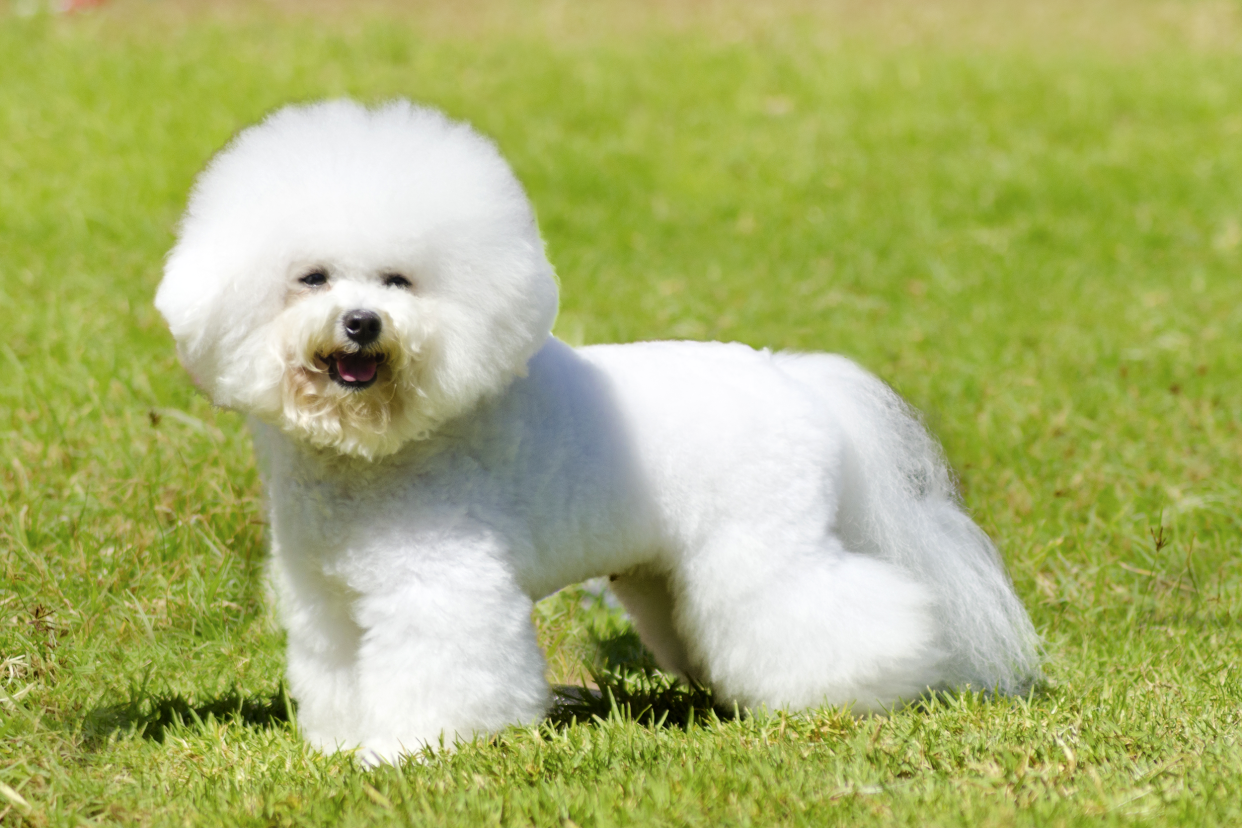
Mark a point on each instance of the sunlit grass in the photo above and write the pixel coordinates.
(1033, 231)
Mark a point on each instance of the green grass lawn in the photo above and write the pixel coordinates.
(1026, 217)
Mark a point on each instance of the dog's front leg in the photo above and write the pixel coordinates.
(447, 651)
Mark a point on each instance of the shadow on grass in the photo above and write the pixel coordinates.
(628, 684)
(150, 715)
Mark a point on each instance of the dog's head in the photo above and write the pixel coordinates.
(356, 277)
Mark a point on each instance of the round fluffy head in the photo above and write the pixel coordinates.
(357, 276)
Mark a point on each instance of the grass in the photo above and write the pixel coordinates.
(1026, 217)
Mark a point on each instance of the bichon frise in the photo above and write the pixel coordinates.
(370, 287)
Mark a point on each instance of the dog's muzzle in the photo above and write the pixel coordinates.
(356, 369)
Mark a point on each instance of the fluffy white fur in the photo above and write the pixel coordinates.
(779, 526)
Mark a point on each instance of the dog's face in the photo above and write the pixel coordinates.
(348, 353)
(357, 277)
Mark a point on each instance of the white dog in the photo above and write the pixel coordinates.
(371, 288)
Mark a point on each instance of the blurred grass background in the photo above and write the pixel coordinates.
(1025, 216)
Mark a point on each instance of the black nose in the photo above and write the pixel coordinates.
(362, 326)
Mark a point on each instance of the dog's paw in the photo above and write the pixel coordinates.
(372, 754)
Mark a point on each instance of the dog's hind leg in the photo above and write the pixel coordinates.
(648, 597)
(802, 626)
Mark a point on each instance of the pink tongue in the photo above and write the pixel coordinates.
(356, 367)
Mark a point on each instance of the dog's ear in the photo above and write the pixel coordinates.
(185, 298)
(214, 303)
(493, 315)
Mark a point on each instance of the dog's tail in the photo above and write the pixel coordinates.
(899, 503)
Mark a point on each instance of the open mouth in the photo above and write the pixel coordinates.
(355, 371)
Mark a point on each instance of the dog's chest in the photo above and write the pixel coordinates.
(343, 519)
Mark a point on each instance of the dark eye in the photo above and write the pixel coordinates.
(396, 280)
(314, 279)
